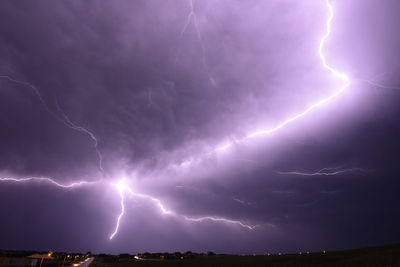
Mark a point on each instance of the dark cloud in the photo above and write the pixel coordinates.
(159, 87)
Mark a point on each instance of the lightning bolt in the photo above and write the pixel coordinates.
(81, 129)
(382, 86)
(336, 73)
(150, 101)
(323, 172)
(268, 131)
(47, 180)
(193, 18)
(242, 201)
(221, 219)
(64, 119)
(35, 90)
(341, 76)
(374, 83)
(123, 189)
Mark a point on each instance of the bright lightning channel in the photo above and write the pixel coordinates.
(123, 189)
(341, 76)
(193, 18)
(64, 119)
(47, 180)
(220, 219)
(379, 85)
(121, 194)
(81, 129)
(323, 172)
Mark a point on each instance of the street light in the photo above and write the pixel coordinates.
(48, 254)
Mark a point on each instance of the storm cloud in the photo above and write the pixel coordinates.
(160, 84)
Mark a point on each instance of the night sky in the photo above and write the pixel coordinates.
(141, 96)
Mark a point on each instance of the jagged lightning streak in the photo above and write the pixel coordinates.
(64, 119)
(335, 72)
(193, 18)
(81, 129)
(35, 89)
(124, 188)
(243, 202)
(121, 190)
(379, 85)
(47, 180)
(341, 76)
(220, 219)
(323, 172)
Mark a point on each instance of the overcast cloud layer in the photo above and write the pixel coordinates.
(159, 87)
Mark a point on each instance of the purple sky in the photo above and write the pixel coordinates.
(159, 88)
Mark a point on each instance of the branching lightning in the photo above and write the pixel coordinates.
(47, 180)
(64, 119)
(81, 129)
(121, 194)
(341, 76)
(323, 172)
(382, 86)
(319, 103)
(193, 18)
(243, 202)
(220, 219)
(341, 89)
(124, 189)
(36, 91)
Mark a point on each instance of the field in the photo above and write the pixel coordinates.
(368, 257)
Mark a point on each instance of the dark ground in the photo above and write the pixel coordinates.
(375, 256)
